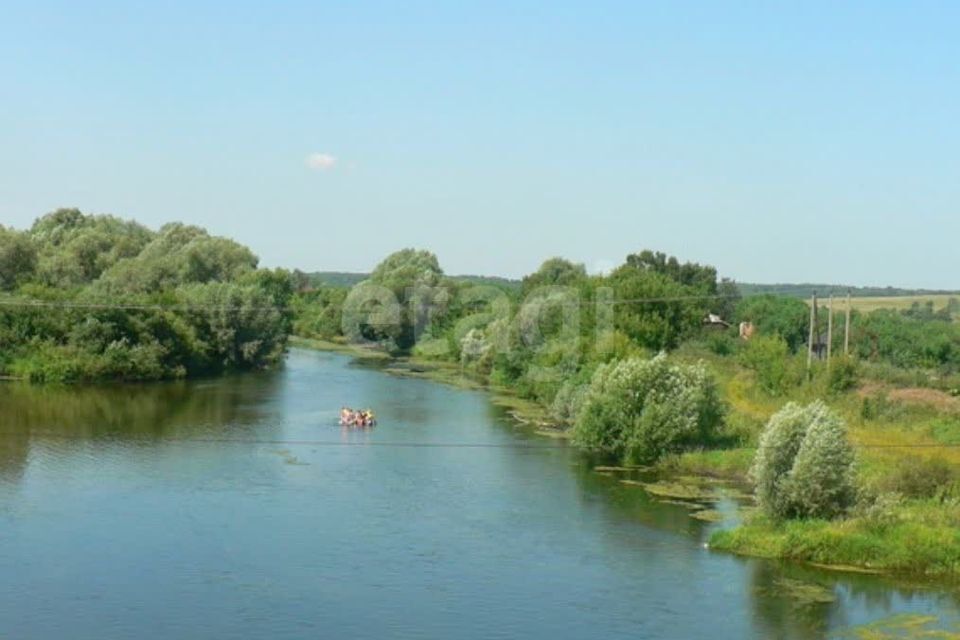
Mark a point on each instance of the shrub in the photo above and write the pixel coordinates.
(639, 409)
(917, 477)
(879, 407)
(770, 359)
(721, 344)
(843, 375)
(804, 464)
(568, 402)
(777, 315)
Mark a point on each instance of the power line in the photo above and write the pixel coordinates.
(406, 444)
(311, 443)
(102, 306)
(66, 305)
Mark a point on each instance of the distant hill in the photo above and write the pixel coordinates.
(348, 279)
(336, 278)
(806, 290)
(496, 281)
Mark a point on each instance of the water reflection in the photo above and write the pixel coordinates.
(789, 602)
(31, 414)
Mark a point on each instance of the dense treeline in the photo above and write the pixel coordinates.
(554, 329)
(88, 297)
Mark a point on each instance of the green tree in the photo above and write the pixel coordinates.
(728, 299)
(786, 317)
(318, 312)
(136, 305)
(804, 467)
(771, 361)
(702, 278)
(75, 249)
(638, 409)
(554, 272)
(415, 281)
(180, 254)
(238, 326)
(907, 341)
(18, 258)
(654, 310)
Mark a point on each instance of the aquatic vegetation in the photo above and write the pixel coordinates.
(289, 458)
(801, 593)
(907, 625)
(708, 515)
(681, 491)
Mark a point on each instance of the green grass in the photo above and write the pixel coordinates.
(720, 463)
(920, 539)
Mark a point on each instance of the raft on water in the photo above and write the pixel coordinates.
(357, 417)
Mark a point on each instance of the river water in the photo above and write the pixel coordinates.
(237, 508)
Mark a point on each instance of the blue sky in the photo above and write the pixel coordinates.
(801, 141)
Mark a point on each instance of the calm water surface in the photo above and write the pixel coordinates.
(125, 514)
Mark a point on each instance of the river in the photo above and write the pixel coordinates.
(237, 508)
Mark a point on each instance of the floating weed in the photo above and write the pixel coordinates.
(692, 506)
(708, 515)
(907, 625)
(800, 593)
(289, 458)
(680, 491)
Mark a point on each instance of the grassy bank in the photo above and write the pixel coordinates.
(907, 521)
(919, 538)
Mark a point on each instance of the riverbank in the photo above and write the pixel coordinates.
(902, 536)
(919, 539)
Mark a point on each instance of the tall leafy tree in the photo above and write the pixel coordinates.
(18, 258)
(413, 280)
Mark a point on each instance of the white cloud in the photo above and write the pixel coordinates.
(320, 161)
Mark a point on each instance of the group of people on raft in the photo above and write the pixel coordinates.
(357, 417)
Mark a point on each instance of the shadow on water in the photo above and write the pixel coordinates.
(31, 414)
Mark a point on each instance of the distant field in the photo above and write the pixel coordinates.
(872, 303)
(805, 290)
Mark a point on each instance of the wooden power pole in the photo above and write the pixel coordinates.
(813, 321)
(829, 329)
(846, 330)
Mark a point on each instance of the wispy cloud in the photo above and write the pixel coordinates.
(320, 161)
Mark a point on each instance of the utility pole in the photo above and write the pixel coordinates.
(846, 331)
(813, 321)
(829, 330)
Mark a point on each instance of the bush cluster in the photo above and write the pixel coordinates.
(130, 303)
(804, 467)
(640, 409)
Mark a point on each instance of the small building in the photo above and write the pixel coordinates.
(713, 321)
